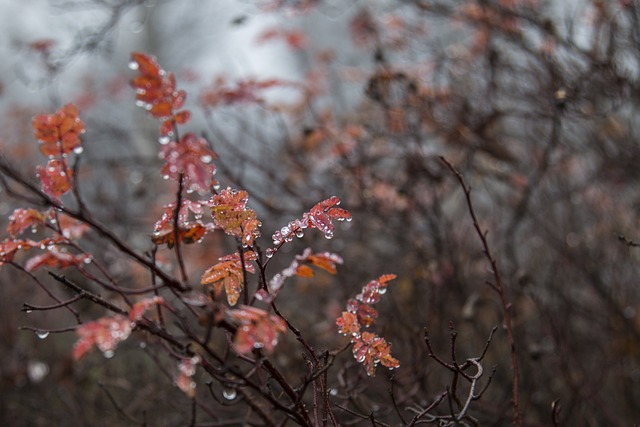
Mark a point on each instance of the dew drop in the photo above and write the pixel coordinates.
(328, 234)
(206, 158)
(42, 334)
(333, 392)
(78, 149)
(108, 354)
(165, 177)
(28, 311)
(300, 233)
(382, 290)
(269, 252)
(258, 344)
(133, 65)
(87, 260)
(164, 139)
(229, 393)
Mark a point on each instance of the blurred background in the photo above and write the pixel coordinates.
(535, 102)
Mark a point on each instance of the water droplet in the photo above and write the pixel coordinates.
(165, 177)
(333, 392)
(78, 149)
(269, 252)
(229, 393)
(164, 139)
(133, 65)
(33, 230)
(206, 158)
(328, 234)
(108, 354)
(88, 260)
(258, 344)
(382, 290)
(28, 311)
(42, 334)
(349, 218)
(300, 233)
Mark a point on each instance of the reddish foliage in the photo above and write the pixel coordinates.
(186, 370)
(156, 91)
(191, 158)
(295, 39)
(368, 348)
(139, 308)
(192, 233)
(228, 275)
(55, 178)
(59, 133)
(244, 91)
(56, 258)
(230, 213)
(320, 216)
(105, 333)
(21, 219)
(256, 330)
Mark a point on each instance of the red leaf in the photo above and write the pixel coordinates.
(21, 219)
(59, 133)
(105, 333)
(304, 271)
(182, 117)
(191, 233)
(71, 228)
(139, 308)
(55, 178)
(227, 275)
(348, 324)
(56, 259)
(186, 370)
(257, 329)
(326, 261)
(230, 213)
(191, 157)
(146, 64)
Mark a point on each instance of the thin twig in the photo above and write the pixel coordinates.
(499, 288)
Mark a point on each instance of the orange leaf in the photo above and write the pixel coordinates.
(304, 271)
